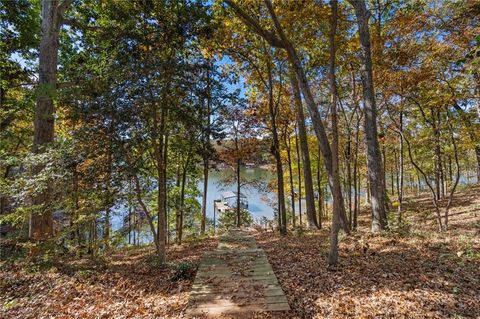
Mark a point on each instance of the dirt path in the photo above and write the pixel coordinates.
(235, 278)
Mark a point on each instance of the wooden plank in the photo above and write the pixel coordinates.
(235, 278)
(214, 310)
(198, 294)
(240, 301)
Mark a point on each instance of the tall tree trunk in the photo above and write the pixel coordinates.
(276, 153)
(333, 253)
(305, 154)
(374, 159)
(41, 223)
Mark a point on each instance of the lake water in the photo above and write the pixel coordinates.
(259, 200)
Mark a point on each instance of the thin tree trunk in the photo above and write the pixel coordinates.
(204, 195)
(108, 192)
(290, 175)
(177, 205)
(356, 182)
(182, 202)
(320, 193)
(299, 175)
(206, 163)
(349, 176)
(165, 198)
(401, 173)
(238, 194)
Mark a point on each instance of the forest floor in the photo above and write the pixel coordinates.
(412, 272)
(126, 284)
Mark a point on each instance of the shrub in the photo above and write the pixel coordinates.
(184, 270)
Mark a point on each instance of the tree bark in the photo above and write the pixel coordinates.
(374, 159)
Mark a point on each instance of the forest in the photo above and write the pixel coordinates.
(239, 159)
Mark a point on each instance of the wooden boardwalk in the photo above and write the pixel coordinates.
(235, 278)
